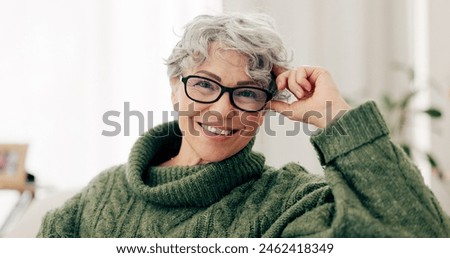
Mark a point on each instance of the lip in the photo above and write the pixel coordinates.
(213, 136)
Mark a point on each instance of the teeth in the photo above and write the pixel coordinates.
(216, 130)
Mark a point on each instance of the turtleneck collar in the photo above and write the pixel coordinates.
(199, 185)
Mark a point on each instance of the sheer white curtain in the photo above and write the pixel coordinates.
(64, 64)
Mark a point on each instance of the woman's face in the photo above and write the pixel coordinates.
(213, 132)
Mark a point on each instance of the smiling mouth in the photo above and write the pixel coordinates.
(217, 131)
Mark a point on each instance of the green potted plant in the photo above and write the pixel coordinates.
(399, 113)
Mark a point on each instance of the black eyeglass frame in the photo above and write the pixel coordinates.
(224, 89)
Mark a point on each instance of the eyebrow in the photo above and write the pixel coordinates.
(217, 78)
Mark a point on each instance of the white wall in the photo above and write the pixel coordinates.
(439, 71)
(439, 43)
(63, 64)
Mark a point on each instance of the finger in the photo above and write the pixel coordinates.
(313, 72)
(280, 107)
(277, 70)
(305, 83)
(302, 79)
(281, 80)
(295, 87)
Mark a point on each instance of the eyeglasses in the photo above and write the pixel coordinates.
(245, 98)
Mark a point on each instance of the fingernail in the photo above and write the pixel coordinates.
(308, 87)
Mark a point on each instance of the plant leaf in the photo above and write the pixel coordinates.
(405, 101)
(433, 112)
(404, 68)
(388, 102)
(407, 149)
(432, 160)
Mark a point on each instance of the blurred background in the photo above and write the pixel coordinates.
(65, 64)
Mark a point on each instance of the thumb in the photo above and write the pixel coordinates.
(281, 107)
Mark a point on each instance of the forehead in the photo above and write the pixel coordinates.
(228, 64)
(231, 57)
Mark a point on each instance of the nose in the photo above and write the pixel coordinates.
(224, 107)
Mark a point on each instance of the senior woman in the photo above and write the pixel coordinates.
(198, 177)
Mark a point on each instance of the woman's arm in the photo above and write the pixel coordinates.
(376, 188)
(63, 221)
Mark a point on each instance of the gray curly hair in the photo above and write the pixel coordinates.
(253, 35)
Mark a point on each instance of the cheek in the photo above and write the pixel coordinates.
(187, 107)
(251, 122)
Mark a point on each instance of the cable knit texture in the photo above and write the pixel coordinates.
(369, 189)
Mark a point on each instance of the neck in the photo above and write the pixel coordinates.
(185, 157)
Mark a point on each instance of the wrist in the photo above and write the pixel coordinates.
(332, 113)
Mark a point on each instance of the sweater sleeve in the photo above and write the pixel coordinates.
(80, 215)
(377, 190)
(63, 221)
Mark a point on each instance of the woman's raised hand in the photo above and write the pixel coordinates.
(318, 100)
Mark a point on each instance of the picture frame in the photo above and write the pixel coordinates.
(12, 166)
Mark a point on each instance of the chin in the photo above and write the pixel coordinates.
(218, 151)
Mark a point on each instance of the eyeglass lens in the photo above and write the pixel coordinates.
(207, 91)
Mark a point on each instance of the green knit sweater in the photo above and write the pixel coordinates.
(370, 189)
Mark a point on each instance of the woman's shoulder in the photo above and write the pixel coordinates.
(108, 174)
(290, 171)
(106, 181)
(291, 176)
(279, 188)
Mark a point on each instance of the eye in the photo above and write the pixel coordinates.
(204, 84)
(247, 94)
(250, 94)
